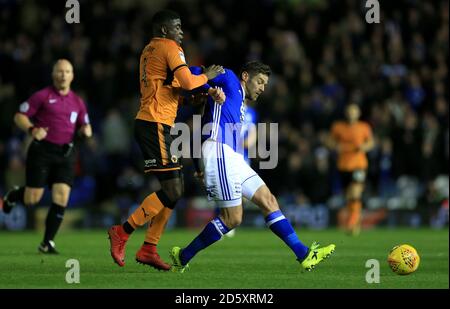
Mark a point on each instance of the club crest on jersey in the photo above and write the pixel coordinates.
(174, 159)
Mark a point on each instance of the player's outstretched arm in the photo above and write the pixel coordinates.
(189, 81)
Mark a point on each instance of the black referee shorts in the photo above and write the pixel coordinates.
(154, 139)
(49, 163)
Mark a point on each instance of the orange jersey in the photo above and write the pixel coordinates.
(160, 88)
(350, 137)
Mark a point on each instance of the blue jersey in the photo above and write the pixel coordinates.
(224, 122)
(251, 119)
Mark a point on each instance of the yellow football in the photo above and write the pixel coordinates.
(403, 259)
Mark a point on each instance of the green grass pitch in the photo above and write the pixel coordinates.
(252, 259)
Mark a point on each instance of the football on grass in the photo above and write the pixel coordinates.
(403, 259)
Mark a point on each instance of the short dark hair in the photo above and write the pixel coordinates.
(163, 17)
(254, 68)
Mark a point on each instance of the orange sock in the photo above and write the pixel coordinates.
(149, 208)
(354, 213)
(157, 226)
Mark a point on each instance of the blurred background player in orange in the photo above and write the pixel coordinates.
(163, 73)
(352, 139)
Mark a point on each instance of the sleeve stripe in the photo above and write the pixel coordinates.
(181, 65)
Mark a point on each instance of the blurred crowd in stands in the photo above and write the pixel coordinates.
(323, 54)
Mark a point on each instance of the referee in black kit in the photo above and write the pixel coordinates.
(52, 116)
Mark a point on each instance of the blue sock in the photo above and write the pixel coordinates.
(212, 232)
(277, 222)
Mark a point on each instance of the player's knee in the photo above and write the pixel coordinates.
(233, 221)
(30, 201)
(173, 189)
(61, 199)
(169, 195)
(32, 198)
(355, 193)
(178, 193)
(173, 193)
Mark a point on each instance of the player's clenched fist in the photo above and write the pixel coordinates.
(217, 94)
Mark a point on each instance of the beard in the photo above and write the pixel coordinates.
(251, 97)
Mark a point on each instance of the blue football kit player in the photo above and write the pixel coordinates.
(228, 177)
(248, 136)
(248, 133)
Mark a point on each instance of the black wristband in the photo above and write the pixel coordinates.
(30, 130)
